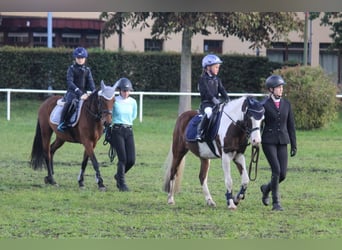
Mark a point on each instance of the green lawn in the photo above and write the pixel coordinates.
(311, 194)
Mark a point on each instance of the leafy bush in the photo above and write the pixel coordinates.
(312, 95)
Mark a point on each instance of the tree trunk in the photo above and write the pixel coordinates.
(185, 72)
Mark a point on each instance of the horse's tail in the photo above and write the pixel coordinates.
(37, 156)
(168, 170)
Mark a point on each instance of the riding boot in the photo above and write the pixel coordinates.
(201, 128)
(120, 178)
(265, 190)
(275, 194)
(62, 126)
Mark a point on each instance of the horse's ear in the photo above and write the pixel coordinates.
(102, 85)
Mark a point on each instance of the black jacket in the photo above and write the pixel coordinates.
(79, 77)
(210, 87)
(279, 125)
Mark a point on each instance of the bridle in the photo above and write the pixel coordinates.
(100, 112)
(255, 149)
(243, 127)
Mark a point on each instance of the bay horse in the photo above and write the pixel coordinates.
(95, 114)
(239, 125)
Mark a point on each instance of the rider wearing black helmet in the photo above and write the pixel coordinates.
(279, 130)
(210, 87)
(124, 113)
(79, 81)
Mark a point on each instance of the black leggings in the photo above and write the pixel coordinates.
(276, 155)
(123, 142)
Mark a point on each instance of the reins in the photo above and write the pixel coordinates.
(255, 149)
(254, 160)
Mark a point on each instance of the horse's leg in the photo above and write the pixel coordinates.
(203, 177)
(89, 151)
(240, 162)
(226, 158)
(83, 168)
(177, 163)
(52, 149)
(46, 133)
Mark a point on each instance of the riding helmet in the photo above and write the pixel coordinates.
(210, 59)
(124, 84)
(274, 81)
(80, 52)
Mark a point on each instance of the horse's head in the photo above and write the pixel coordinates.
(254, 114)
(106, 100)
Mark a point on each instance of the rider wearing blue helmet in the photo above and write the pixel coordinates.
(79, 81)
(210, 87)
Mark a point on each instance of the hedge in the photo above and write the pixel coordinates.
(37, 68)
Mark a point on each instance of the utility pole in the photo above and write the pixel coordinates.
(305, 59)
(49, 30)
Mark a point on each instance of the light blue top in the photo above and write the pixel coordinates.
(124, 110)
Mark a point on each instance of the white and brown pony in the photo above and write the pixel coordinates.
(238, 125)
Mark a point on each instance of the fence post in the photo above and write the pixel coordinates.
(141, 96)
(8, 105)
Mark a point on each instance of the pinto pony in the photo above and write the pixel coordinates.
(239, 123)
(96, 112)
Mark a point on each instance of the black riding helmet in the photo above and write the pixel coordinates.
(274, 81)
(124, 84)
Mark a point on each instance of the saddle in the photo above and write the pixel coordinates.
(55, 115)
(210, 131)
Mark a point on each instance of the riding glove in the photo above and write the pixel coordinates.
(293, 151)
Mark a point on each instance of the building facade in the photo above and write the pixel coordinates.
(72, 29)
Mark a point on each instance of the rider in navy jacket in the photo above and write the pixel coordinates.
(79, 81)
(279, 130)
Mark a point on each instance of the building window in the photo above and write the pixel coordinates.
(71, 40)
(153, 44)
(40, 39)
(330, 61)
(18, 38)
(92, 41)
(283, 52)
(213, 46)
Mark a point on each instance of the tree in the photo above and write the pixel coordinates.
(259, 28)
(334, 20)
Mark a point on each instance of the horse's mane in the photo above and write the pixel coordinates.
(235, 104)
(92, 98)
(91, 102)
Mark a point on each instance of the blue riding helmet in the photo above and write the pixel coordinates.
(80, 52)
(274, 81)
(210, 59)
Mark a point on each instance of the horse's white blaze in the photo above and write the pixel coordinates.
(255, 134)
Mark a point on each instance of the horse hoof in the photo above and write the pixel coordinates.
(47, 180)
(103, 189)
(232, 208)
(170, 201)
(211, 203)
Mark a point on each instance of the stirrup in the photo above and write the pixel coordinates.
(61, 127)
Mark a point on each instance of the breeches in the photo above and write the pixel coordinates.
(277, 157)
(123, 142)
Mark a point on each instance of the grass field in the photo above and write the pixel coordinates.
(311, 194)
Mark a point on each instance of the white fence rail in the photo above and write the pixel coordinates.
(140, 94)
